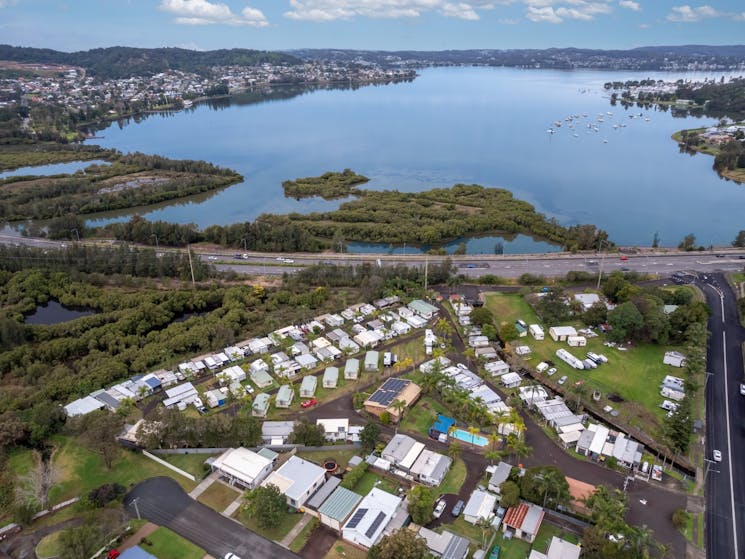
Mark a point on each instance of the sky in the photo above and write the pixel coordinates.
(71, 25)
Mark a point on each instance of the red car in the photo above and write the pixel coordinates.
(624, 257)
(309, 403)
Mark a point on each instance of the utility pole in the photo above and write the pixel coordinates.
(137, 509)
(602, 261)
(156, 240)
(191, 266)
(426, 272)
(77, 234)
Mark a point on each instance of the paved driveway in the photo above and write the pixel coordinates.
(162, 501)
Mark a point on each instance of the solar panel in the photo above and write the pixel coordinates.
(356, 518)
(375, 524)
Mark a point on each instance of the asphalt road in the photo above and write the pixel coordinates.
(725, 424)
(162, 501)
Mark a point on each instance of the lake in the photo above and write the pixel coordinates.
(53, 312)
(52, 169)
(470, 125)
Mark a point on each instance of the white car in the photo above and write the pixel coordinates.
(230, 555)
(439, 508)
(563, 379)
(742, 388)
(289, 261)
(551, 371)
(717, 455)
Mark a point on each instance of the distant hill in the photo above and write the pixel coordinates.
(643, 58)
(124, 62)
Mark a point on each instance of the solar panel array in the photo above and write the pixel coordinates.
(356, 518)
(388, 391)
(375, 524)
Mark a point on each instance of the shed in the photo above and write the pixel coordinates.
(335, 510)
(330, 377)
(308, 386)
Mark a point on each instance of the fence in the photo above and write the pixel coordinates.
(169, 466)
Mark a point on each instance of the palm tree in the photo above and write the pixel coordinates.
(399, 406)
(473, 430)
(492, 455)
(641, 542)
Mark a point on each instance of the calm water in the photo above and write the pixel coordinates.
(471, 125)
(53, 169)
(53, 312)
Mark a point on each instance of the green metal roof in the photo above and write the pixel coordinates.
(340, 504)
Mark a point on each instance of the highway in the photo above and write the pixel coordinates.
(725, 424)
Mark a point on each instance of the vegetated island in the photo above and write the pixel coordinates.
(329, 186)
(725, 142)
(128, 181)
(422, 218)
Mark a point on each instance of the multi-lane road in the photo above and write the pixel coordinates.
(725, 423)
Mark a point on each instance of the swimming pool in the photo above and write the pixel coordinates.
(465, 436)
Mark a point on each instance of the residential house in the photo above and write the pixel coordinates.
(500, 475)
(372, 360)
(287, 369)
(330, 377)
(371, 517)
(242, 467)
(83, 406)
(402, 451)
(319, 497)
(285, 395)
(215, 398)
(511, 380)
(308, 387)
(558, 549)
(334, 429)
(587, 300)
(445, 545)
(180, 396)
(307, 361)
(260, 377)
(391, 391)
(561, 333)
(352, 369)
(423, 309)
(276, 433)
(297, 479)
(497, 368)
(480, 506)
(523, 521)
(260, 405)
(592, 441)
(431, 467)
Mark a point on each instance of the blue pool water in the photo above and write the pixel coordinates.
(467, 437)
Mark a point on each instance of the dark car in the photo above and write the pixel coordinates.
(458, 508)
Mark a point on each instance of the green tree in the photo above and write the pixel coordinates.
(688, 243)
(481, 316)
(545, 485)
(369, 435)
(508, 332)
(307, 433)
(266, 504)
(510, 494)
(678, 425)
(553, 307)
(454, 450)
(401, 544)
(421, 504)
(596, 314)
(626, 321)
(81, 541)
(739, 241)
(607, 509)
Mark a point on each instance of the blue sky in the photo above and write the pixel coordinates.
(369, 24)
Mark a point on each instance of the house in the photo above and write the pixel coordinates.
(371, 517)
(258, 365)
(83, 406)
(337, 509)
(260, 405)
(297, 480)
(561, 333)
(330, 377)
(627, 452)
(334, 429)
(260, 377)
(307, 361)
(180, 396)
(587, 300)
(233, 374)
(478, 341)
(445, 545)
(319, 497)
(278, 358)
(308, 386)
(347, 346)
(485, 353)
(402, 451)
(287, 369)
(211, 362)
(400, 327)
(592, 441)
(536, 331)
(480, 506)
(299, 348)
(259, 345)
(523, 521)
(328, 353)
(674, 358)
(276, 433)
(372, 360)
(285, 394)
(576, 341)
(215, 398)
(242, 467)
(431, 467)
(368, 338)
(352, 369)
(511, 380)
(558, 549)
(423, 309)
(391, 391)
(500, 475)
(497, 368)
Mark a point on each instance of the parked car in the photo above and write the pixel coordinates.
(439, 508)
(717, 455)
(309, 403)
(551, 371)
(563, 379)
(458, 508)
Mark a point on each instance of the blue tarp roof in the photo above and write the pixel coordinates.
(153, 382)
(136, 552)
(443, 424)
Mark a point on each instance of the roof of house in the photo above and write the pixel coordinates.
(480, 504)
(241, 463)
(294, 477)
(277, 428)
(83, 406)
(373, 514)
(331, 374)
(309, 384)
(268, 453)
(340, 504)
(445, 545)
(136, 552)
(391, 390)
(443, 424)
(334, 425)
(285, 393)
(261, 402)
(261, 377)
(306, 359)
(563, 330)
(352, 364)
(562, 549)
(431, 464)
(501, 473)
(422, 307)
(320, 496)
(399, 447)
(516, 515)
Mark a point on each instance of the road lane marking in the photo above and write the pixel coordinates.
(729, 440)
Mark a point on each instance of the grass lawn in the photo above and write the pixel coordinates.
(299, 541)
(276, 533)
(190, 463)
(473, 533)
(169, 545)
(454, 478)
(319, 456)
(547, 531)
(421, 417)
(370, 480)
(343, 550)
(81, 470)
(218, 496)
(49, 546)
(633, 375)
(511, 549)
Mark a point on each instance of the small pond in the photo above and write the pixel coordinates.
(52, 169)
(53, 312)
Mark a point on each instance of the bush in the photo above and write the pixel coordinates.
(23, 512)
(353, 477)
(531, 279)
(105, 494)
(680, 519)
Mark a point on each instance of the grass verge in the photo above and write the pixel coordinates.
(169, 545)
(218, 496)
(280, 530)
(455, 477)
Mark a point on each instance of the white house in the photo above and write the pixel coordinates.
(431, 467)
(674, 358)
(285, 395)
(307, 361)
(511, 380)
(334, 429)
(587, 300)
(480, 506)
(371, 517)
(352, 369)
(330, 377)
(561, 333)
(536, 331)
(242, 467)
(297, 480)
(308, 386)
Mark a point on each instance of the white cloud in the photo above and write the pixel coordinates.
(687, 14)
(7, 3)
(630, 5)
(556, 11)
(204, 12)
(543, 15)
(329, 10)
(461, 10)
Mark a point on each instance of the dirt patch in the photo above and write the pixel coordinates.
(319, 543)
(615, 398)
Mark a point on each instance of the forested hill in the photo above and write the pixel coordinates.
(123, 62)
(642, 58)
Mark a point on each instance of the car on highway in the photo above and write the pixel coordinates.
(458, 508)
(624, 258)
(212, 258)
(717, 455)
(625, 269)
(742, 388)
(563, 379)
(309, 403)
(439, 508)
(289, 261)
